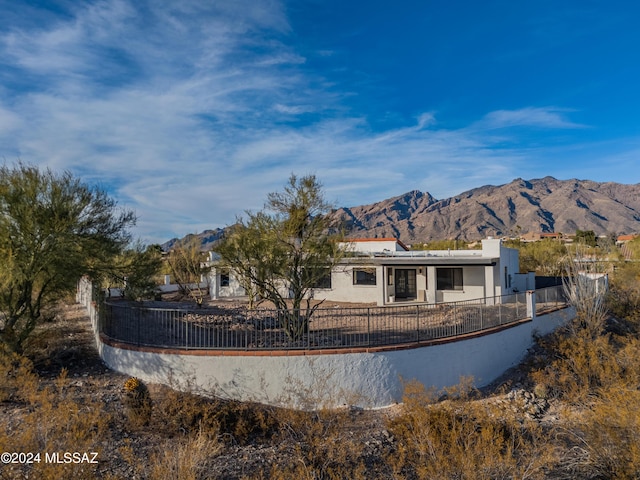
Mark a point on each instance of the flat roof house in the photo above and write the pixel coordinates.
(384, 271)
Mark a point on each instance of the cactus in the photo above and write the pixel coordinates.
(137, 401)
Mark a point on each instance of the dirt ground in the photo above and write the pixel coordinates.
(69, 345)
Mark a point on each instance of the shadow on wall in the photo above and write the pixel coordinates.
(299, 382)
(546, 282)
(311, 380)
(182, 372)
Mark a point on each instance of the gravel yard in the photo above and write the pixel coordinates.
(230, 325)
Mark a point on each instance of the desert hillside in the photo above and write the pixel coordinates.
(540, 205)
(521, 206)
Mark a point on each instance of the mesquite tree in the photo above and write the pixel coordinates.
(53, 230)
(286, 250)
(187, 264)
(136, 271)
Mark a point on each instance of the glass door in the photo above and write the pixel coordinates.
(405, 283)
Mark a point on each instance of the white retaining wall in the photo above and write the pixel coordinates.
(313, 379)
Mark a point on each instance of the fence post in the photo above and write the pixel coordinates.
(456, 325)
(417, 323)
(307, 327)
(138, 329)
(531, 303)
(368, 326)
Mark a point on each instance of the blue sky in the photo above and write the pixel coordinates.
(190, 112)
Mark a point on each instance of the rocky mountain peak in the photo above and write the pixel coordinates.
(539, 205)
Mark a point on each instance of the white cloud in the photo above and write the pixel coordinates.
(293, 109)
(187, 111)
(426, 120)
(549, 117)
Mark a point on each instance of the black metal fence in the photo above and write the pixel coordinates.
(263, 329)
(550, 298)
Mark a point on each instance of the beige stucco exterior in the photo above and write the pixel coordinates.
(489, 272)
(401, 275)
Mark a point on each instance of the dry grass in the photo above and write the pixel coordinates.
(465, 439)
(48, 418)
(60, 398)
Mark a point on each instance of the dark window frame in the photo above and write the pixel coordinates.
(225, 277)
(450, 278)
(365, 276)
(323, 281)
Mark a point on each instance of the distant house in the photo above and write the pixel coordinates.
(537, 236)
(384, 271)
(622, 239)
(622, 242)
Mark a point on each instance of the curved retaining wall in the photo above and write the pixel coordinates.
(369, 378)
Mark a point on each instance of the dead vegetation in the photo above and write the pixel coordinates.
(569, 411)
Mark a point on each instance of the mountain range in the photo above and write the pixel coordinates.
(518, 207)
(521, 206)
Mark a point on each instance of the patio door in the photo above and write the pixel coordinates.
(405, 283)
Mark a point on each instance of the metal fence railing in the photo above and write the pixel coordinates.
(265, 329)
(550, 298)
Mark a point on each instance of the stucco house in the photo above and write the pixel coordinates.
(384, 271)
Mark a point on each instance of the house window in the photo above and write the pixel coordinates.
(449, 278)
(224, 277)
(321, 277)
(364, 276)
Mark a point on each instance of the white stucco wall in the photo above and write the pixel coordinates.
(217, 290)
(510, 259)
(343, 290)
(474, 279)
(479, 281)
(368, 379)
(310, 380)
(524, 281)
(491, 247)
